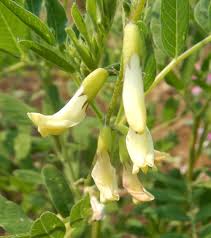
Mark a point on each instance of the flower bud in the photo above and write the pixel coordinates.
(94, 82)
(131, 42)
(141, 150)
(97, 209)
(133, 95)
(104, 176)
(74, 111)
(134, 187)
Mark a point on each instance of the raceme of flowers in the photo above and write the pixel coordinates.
(136, 148)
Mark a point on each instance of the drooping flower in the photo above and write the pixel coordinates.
(141, 150)
(134, 187)
(97, 209)
(75, 110)
(104, 175)
(133, 95)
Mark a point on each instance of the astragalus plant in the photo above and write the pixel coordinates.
(87, 166)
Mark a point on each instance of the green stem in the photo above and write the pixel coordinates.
(116, 93)
(178, 60)
(95, 232)
(138, 8)
(201, 140)
(14, 68)
(191, 161)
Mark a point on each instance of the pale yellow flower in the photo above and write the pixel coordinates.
(74, 111)
(133, 95)
(104, 175)
(141, 150)
(134, 187)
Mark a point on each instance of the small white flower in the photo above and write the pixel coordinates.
(133, 95)
(97, 209)
(75, 110)
(134, 187)
(141, 150)
(104, 175)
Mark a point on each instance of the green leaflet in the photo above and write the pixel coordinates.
(79, 22)
(11, 29)
(82, 50)
(149, 71)
(56, 18)
(172, 79)
(91, 7)
(58, 189)
(49, 53)
(48, 226)
(30, 20)
(12, 218)
(28, 176)
(34, 6)
(80, 211)
(174, 25)
(202, 14)
(155, 28)
(14, 110)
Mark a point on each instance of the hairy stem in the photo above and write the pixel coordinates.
(178, 60)
(115, 96)
(95, 232)
(201, 140)
(191, 161)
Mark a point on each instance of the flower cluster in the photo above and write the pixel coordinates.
(136, 150)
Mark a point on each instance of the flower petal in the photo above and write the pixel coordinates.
(134, 187)
(70, 115)
(140, 148)
(133, 95)
(104, 175)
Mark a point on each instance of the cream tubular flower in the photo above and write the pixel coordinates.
(141, 150)
(75, 110)
(97, 209)
(134, 187)
(104, 175)
(133, 95)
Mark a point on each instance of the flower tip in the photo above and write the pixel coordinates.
(135, 169)
(145, 196)
(148, 196)
(34, 117)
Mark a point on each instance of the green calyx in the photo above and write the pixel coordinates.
(123, 153)
(94, 82)
(104, 139)
(131, 42)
